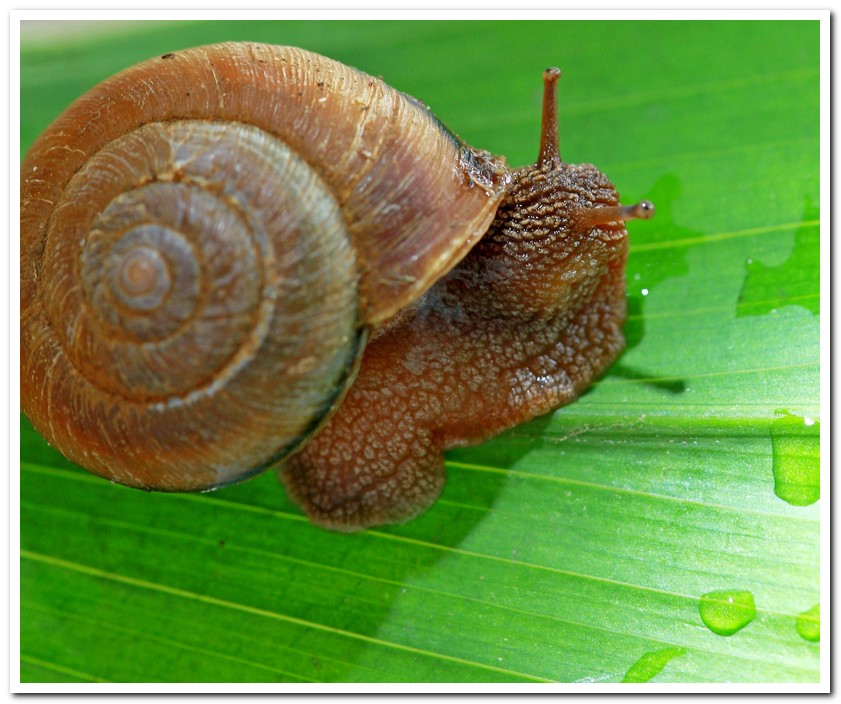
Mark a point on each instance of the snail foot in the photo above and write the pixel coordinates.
(349, 488)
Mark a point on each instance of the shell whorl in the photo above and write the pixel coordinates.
(200, 298)
(206, 237)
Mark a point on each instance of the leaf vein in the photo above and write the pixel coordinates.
(255, 611)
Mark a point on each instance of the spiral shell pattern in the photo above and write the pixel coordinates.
(202, 239)
(207, 260)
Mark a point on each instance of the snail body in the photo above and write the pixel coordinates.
(209, 238)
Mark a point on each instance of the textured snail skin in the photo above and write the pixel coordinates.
(521, 326)
(491, 345)
(168, 340)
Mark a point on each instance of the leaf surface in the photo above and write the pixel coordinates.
(576, 547)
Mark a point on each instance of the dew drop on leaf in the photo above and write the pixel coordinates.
(808, 624)
(727, 611)
(795, 448)
(651, 664)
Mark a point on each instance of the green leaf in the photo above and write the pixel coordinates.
(576, 547)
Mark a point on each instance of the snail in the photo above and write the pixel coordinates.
(241, 256)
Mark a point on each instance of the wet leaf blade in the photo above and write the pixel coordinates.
(574, 546)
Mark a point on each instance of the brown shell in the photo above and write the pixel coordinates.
(414, 196)
(408, 195)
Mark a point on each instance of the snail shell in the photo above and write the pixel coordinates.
(206, 239)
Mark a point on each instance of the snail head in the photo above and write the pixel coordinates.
(581, 180)
(553, 198)
(564, 219)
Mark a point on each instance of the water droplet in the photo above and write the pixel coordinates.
(636, 277)
(727, 611)
(645, 292)
(808, 624)
(651, 664)
(796, 458)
